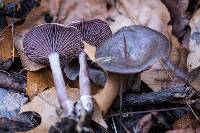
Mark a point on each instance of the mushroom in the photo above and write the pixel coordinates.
(94, 33)
(47, 44)
(130, 50)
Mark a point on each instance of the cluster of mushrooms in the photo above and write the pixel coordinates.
(130, 50)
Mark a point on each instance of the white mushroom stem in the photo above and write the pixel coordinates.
(84, 84)
(107, 95)
(59, 82)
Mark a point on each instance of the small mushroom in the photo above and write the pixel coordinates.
(130, 50)
(142, 48)
(94, 32)
(47, 44)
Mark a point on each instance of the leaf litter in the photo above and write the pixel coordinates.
(179, 25)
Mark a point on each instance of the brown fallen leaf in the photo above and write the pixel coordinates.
(186, 124)
(105, 97)
(193, 60)
(117, 20)
(90, 51)
(179, 16)
(157, 77)
(183, 130)
(6, 45)
(38, 81)
(47, 106)
(35, 17)
(145, 12)
(145, 123)
(9, 81)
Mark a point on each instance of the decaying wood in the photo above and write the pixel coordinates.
(171, 95)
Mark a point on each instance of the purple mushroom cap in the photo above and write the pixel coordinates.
(94, 31)
(132, 49)
(45, 39)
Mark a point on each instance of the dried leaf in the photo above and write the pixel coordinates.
(9, 81)
(90, 51)
(97, 117)
(193, 60)
(38, 81)
(157, 77)
(35, 17)
(47, 106)
(6, 45)
(179, 18)
(186, 124)
(70, 10)
(184, 130)
(145, 123)
(118, 20)
(150, 13)
(105, 97)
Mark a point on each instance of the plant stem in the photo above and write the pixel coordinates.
(59, 82)
(84, 84)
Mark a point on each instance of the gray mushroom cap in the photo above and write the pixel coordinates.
(132, 49)
(94, 31)
(45, 39)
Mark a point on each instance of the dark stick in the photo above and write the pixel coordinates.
(171, 95)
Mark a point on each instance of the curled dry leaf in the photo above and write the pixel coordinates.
(193, 60)
(145, 123)
(118, 20)
(145, 12)
(179, 17)
(9, 81)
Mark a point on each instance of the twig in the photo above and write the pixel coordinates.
(125, 128)
(114, 126)
(143, 112)
(171, 95)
